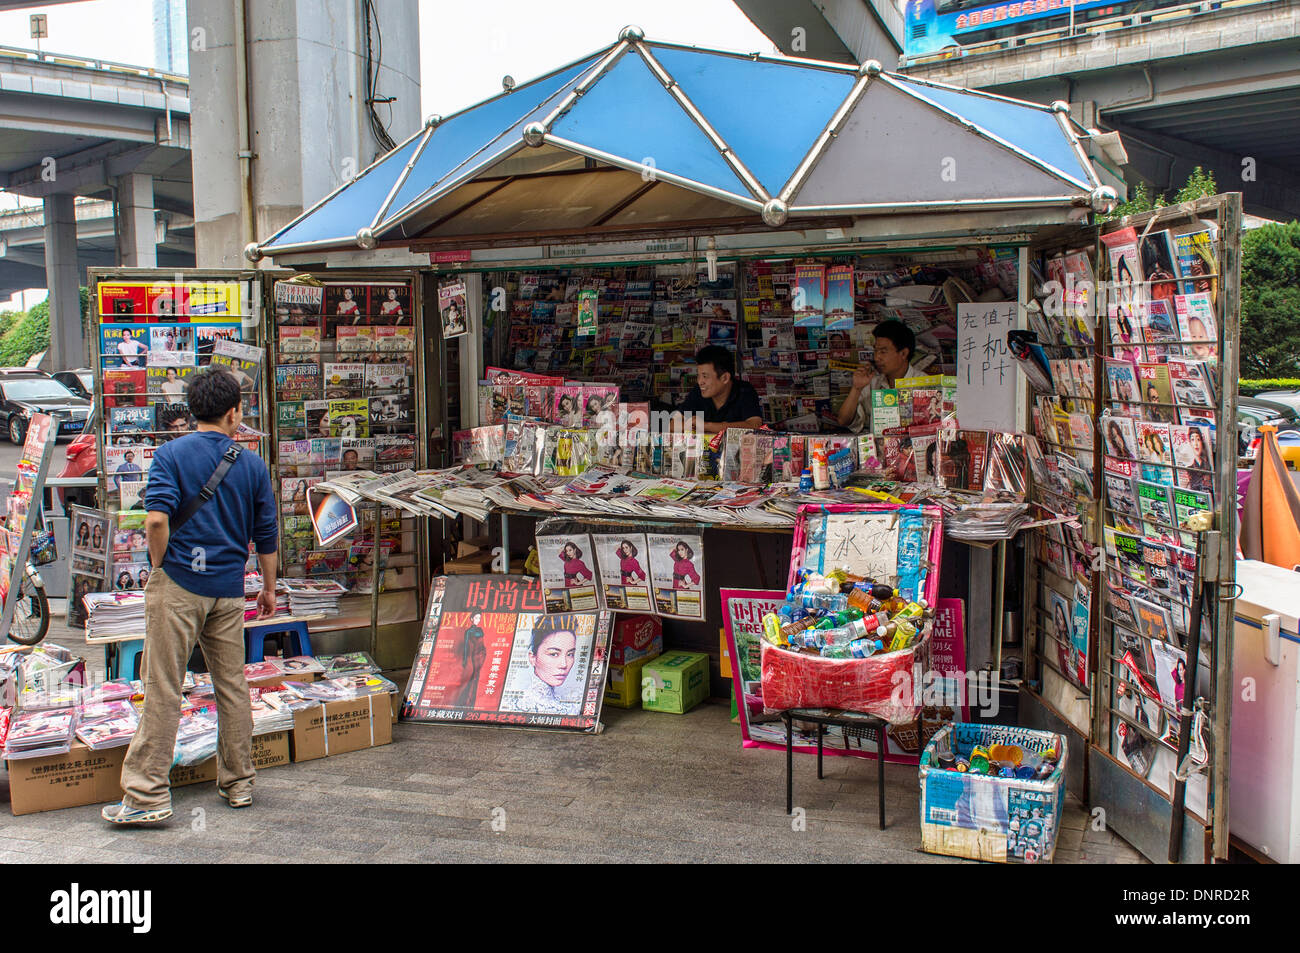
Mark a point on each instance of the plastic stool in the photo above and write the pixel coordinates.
(127, 659)
(298, 642)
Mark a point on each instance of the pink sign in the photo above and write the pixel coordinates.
(948, 650)
(449, 257)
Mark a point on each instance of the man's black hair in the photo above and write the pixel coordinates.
(211, 394)
(898, 334)
(723, 361)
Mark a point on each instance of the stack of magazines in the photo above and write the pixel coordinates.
(344, 687)
(351, 663)
(318, 597)
(253, 586)
(196, 736)
(267, 717)
(109, 724)
(112, 616)
(35, 734)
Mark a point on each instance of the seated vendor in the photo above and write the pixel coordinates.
(895, 345)
(722, 397)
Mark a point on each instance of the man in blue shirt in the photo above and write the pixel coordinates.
(195, 593)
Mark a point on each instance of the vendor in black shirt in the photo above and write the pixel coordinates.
(723, 398)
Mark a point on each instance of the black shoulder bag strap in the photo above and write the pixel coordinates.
(209, 490)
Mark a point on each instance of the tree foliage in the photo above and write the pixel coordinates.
(1270, 301)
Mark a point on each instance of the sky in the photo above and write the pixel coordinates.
(465, 47)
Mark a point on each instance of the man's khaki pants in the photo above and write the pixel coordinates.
(175, 619)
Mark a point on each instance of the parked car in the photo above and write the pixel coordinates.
(81, 381)
(81, 462)
(1289, 397)
(22, 395)
(1253, 413)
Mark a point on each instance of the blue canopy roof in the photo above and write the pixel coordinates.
(744, 133)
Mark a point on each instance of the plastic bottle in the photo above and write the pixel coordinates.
(805, 481)
(827, 602)
(979, 760)
(904, 635)
(790, 629)
(836, 619)
(821, 474)
(772, 631)
(911, 611)
(862, 648)
(863, 599)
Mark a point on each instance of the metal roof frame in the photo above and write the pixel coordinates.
(389, 226)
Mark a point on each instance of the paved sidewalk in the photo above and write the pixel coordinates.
(651, 788)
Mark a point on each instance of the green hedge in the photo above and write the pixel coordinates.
(1259, 385)
(29, 335)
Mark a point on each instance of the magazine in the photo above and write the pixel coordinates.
(568, 579)
(677, 574)
(1197, 325)
(1156, 393)
(624, 573)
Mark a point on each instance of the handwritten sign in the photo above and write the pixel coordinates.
(867, 543)
(986, 371)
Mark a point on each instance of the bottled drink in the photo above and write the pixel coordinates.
(805, 481)
(825, 601)
(790, 629)
(863, 599)
(862, 648)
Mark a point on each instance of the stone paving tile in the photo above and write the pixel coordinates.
(650, 788)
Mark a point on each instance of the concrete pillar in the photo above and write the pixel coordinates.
(67, 345)
(138, 235)
(310, 134)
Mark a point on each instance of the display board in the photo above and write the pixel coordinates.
(344, 391)
(151, 334)
(1139, 437)
(490, 655)
(23, 514)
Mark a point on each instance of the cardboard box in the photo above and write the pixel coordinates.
(471, 546)
(675, 682)
(75, 779)
(468, 565)
(269, 751)
(342, 726)
(624, 688)
(634, 637)
(1026, 831)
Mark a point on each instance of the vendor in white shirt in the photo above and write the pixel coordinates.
(895, 345)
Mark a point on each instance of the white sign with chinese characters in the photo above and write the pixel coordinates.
(986, 371)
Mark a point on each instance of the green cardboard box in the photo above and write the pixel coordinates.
(675, 682)
(624, 689)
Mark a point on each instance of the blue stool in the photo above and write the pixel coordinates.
(296, 639)
(125, 659)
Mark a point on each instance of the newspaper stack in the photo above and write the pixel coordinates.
(114, 616)
(109, 724)
(313, 596)
(984, 521)
(35, 734)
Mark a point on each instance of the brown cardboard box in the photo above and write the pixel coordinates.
(75, 779)
(269, 751)
(338, 727)
(468, 565)
(469, 547)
